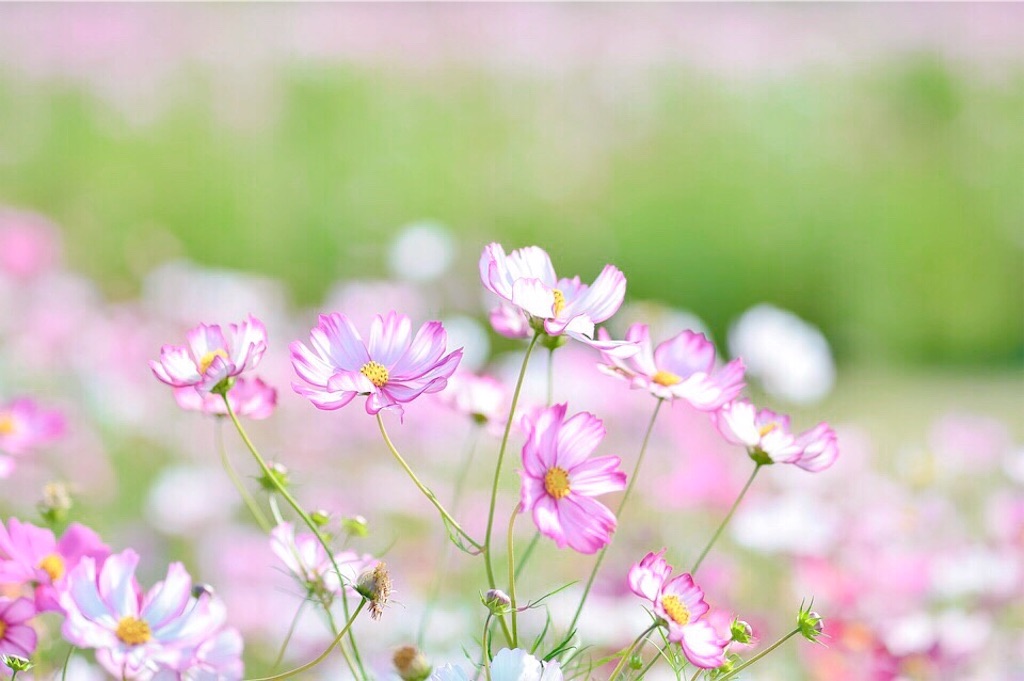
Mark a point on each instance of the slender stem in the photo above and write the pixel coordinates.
(760, 655)
(629, 651)
(501, 457)
(658, 656)
(696, 673)
(67, 661)
(618, 512)
(250, 502)
(728, 517)
(283, 491)
(423, 488)
(512, 575)
(323, 656)
(527, 553)
(486, 646)
(288, 636)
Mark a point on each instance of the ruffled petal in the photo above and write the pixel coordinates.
(390, 336)
(597, 476)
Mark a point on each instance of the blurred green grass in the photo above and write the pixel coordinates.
(884, 203)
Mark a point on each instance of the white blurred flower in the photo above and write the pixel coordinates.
(791, 357)
(422, 251)
(793, 523)
(184, 498)
(470, 335)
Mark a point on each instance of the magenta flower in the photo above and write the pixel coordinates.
(525, 281)
(24, 425)
(306, 559)
(212, 355)
(391, 368)
(31, 556)
(17, 637)
(767, 437)
(136, 633)
(249, 397)
(680, 605)
(683, 366)
(559, 479)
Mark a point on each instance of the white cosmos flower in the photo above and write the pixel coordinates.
(507, 665)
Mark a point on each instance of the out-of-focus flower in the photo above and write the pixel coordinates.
(559, 478)
(422, 251)
(216, 658)
(790, 357)
(211, 497)
(249, 397)
(29, 243)
(683, 366)
(391, 368)
(213, 355)
(411, 664)
(525, 279)
(31, 556)
(767, 437)
(479, 397)
(16, 634)
(680, 604)
(136, 633)
(507, 665)
(305, 558)
(24, 426)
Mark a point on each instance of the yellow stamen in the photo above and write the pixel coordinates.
(7, 424)
(3, 629)
(206, 360)
(559, 302)
(53, 565)
(675, 609)
(764, 430)
(666, 378)
(133, 631)
(376, 372)
(556, 482)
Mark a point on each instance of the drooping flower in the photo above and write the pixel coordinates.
(507, 665)
(136, 633)
(559, 478)
(17, 636)
(526, 283)
(249, 397)
(24, 425)
(391, 368)
(32, 557)
(680, 605)
(306, 559)
(768, 439)
(213, 355)
(683, 367)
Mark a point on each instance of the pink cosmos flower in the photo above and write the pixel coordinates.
(767, 437)
(213, 354)
(683, 366)
(391, 368)
(559, 479)
(249, 397)
(31, 556)
(17, 637)
(217, 658)
(24, 425)
(479, 397)
(136, 633)
(526, 282)
(29, 243)
(306, 559)
(680, 604)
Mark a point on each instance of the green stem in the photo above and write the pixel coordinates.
(512, 576)
(728, 517)
(760, 655)
(288, 636)
(629, 651)
(618, 512)
(323, 656)
(67, 661)
(250, 502)
(527, 553)
(486, 646)
(501, 457)
(283, 491)
(423, 488)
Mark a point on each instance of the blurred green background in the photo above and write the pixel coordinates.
(882, 200)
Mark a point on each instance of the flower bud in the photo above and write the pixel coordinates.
(276, 478)
(636, 662)
(356, 525)
(320, 517)
(497, 601)
(55, 504)
(200, 589)
(741, 632)
(375, 586)
(810, 623)
(411, 664)
(16, 663)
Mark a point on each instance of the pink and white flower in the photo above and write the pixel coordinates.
(136, 634)
(391, 368)
(683, 367)
(17, 637)
(24, 425)
(680, 604)
(768, 438)
(306, 559)
(249, 397)
(526, 283)
(507, 665)
(558, 479)
(213, 355)
(31, 556)
(479, 397)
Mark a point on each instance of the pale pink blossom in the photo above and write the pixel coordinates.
(213, 355)
(17, 637)
(681, 367)
(249, 397)
(479, 397)
(24, 426)
(29, 243)
(559, 479)
(305, 557)
(768, 438)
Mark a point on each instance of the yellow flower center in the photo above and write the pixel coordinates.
(7, 424)
(675, 609)
(559, 302)
(53, 565)
(206, 360)
(133, 631)
(764, 430)
(666, 378)
(3, 629)
(556, 482)
(376, 372)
